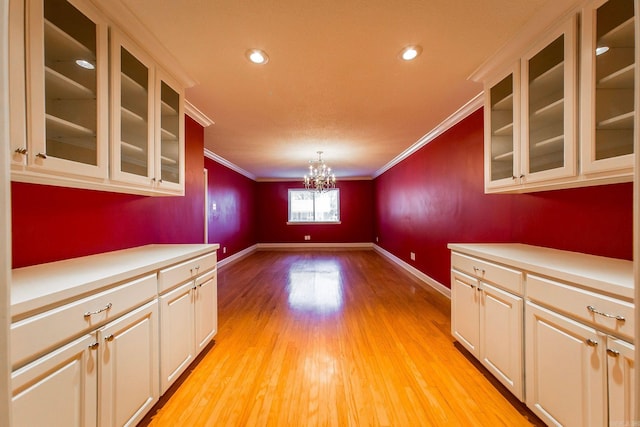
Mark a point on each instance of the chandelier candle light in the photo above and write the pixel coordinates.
(320, 178)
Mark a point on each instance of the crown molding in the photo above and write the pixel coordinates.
(224, 162)
(130, 24)
(197, 115)
(465, 111)
(338, 179)
(543, 21)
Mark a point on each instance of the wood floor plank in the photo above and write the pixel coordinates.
(340, 338)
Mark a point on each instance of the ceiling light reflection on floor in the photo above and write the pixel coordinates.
(315, 290)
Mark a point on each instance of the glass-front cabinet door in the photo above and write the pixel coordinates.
(132, 112)
(549, 107)
(608, 86)
(169, 133)
(502, 130)
(67, 90)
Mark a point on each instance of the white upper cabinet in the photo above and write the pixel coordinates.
(549, 105)
(502, 130)
(147, 119)
(132, 113)
(169, 136)
(92, 108)
(67, 89)
(537, 135)
(608, 86)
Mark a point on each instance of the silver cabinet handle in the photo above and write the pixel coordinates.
(591, 342)
(91, 313)
(612, 352)
(594, 310)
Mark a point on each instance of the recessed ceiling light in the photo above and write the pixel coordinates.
(602, 49)
(410, 52)
(85, 64)
(257, 56)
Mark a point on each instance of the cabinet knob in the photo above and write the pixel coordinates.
(94, 346)
(41, 155)
(591, 342)
(21, 150)
(109, 338)
(478, 269)
(612, 352)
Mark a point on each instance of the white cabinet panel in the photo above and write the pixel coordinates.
(188, 320)
(487, 321)
(59, 389)
(206, 309)
(129, 349)
(501, 337)
(465, 311)
(176, 333)
(621, 371)
(566, 370)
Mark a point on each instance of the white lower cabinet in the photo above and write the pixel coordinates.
(128, 349)
(188, 316)
(573, 328)
(620, 381)
(92, 357)
(90, 381)
(487, 321)
(566, 370)
(58, 389)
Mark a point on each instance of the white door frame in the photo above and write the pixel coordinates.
(5, 220)
(206, 205)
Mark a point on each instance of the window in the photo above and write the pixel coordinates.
(309, 206)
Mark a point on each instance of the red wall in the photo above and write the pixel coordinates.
(53, 223)
(232, 224)
(436, 196)
(356, 215)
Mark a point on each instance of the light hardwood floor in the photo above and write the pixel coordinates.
(342, 338)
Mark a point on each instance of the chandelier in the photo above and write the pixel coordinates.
(320, 177)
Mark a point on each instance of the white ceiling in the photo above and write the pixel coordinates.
(334, 81)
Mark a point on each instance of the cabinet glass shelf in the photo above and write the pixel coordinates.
(614, 80)
(546, 107)
(69, 89)
(501, 101)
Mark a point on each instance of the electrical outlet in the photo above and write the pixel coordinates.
(376, 239)
(307, 237)
(413, 256)
(224, 249)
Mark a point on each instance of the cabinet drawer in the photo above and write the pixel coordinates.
(600, 311)
(38, 334)
(180, 273)
(499, 275)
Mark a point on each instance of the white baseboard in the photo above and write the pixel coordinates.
(235, 257)
(317, 245)
(415, 272)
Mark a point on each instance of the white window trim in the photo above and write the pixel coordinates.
(289, 222)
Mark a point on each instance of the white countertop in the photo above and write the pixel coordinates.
(47, 285)
(605, 275)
